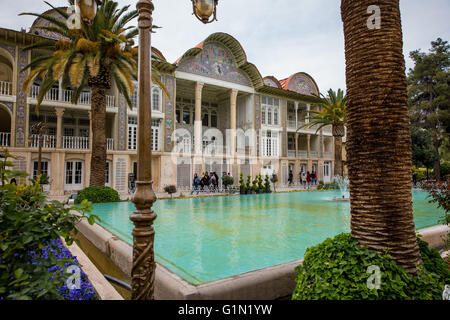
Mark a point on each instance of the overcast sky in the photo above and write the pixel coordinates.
(280, 37)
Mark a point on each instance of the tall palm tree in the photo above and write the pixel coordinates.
(95, 56)
(379, 141)
(331, 113)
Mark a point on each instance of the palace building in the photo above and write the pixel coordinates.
(221, 115)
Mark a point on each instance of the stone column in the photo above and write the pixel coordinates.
(296, 114)
(59, 117)
(296, 145)
(308, 107)
(233, 99)
(308, 137)
(198, 119)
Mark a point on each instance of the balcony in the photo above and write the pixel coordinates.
(314, 154)
(328, 155)
(48, 141)
(291, 154)
(65, 96)
(5, 139)
(303, 154)
(77, 143)
(5, 88)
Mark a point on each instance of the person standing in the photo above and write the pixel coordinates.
(195, 184)
(308, 179)
(300, 178)
(304, 178)
(291, 178)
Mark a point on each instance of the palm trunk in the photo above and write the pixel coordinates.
(338, 170)
(379, 145)
(98, 118)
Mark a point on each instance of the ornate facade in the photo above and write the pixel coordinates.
(221, 115)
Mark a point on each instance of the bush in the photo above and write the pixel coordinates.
(444, 170)
(228, 181)
(267, 184)
(338, 269)
(98, 195)
(170, 189)
(31, 262)
(242, 185)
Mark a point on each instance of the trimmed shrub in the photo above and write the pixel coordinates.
(340, 269)
(228, 181)
(170, 190)
(98, 195)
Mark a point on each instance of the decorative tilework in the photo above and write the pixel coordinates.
(169, 112)
(284, 124)
(10, 49)
(302, 84)
(21, 101)
(9, 105)
(122, 123)
(39, 22)
(215, 62)
(270, 83)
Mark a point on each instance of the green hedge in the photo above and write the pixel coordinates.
(98, 195)
(337, 269)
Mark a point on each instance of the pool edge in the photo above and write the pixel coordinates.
(264, 284)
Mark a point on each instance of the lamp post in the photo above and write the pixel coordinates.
(143, 269)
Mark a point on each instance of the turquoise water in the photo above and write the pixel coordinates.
(206, 239)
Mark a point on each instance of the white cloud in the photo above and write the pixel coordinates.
(280, 37)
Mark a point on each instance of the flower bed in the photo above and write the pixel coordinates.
(56, 250)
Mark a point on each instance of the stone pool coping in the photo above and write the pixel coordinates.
(264, 284)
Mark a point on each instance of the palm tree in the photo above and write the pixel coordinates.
(331, 113)
(95, 56)
(379, 141)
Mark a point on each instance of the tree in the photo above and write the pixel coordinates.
(95, 56)
(422, 147)
(429, 94)
(331, 112)
(379, 139)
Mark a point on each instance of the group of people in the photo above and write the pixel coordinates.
(209, 182)
(306, 179)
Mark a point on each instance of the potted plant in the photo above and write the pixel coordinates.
(267, 185)
(242, 186)
(260, 184)
(228, 181)
(248, 185)
(255, 188)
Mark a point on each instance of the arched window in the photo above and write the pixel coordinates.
(205, 119)
(156, 98)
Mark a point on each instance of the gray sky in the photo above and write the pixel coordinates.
(280, 37)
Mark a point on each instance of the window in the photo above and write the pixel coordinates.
(108, 174)
(132, 133)
(186, 117)
(214, 119)
(69, 132)
(270, 111)
(178, 115)
(44, 168)
(155, 135)
(205, 120)
(270, 144)
(156, 98)
(74, 173)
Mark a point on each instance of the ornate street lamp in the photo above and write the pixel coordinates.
(204, 9)
(88, 9)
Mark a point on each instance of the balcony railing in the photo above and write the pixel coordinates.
(47, 141)
(291, 154)
(328, 155)
(109, 144)
(5, 88)
(79, 143)
(55, 94)
(292, 124)
(5, 138)
(314, 154)
(303, 154)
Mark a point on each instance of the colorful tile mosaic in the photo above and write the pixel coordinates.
(270, 83)
(284, 125)
(300, 83)
(122, 123)
(10, 49)
(216, 62)
(39, 22)
(21, 101)
(169, 112)
(257, 119)
(9, 105)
